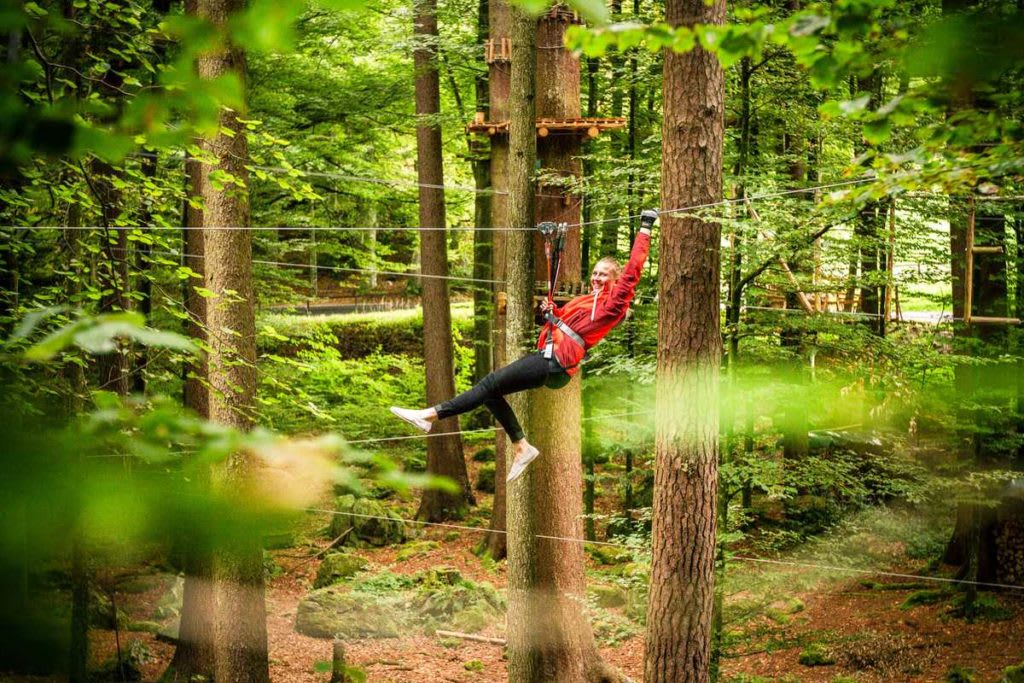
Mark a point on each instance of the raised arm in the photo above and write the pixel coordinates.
(625, 288)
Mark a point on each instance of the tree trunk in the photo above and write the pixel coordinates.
(483, 264)
(681, 604)
(549, 637)
(193, 656)
(112, 276)
(444, 453)
(144, 279)
(499, 71)
(239, 622)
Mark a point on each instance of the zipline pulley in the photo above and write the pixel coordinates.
(554, 243)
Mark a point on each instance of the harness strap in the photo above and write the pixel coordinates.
(549, 347)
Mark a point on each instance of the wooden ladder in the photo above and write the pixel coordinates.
(971, 250)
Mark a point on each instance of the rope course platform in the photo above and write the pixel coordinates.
(588, 126)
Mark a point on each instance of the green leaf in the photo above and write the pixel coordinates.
(855, 105)
(532, 7)
(34, 10)
(877, 132)
(266, 25)
(31, 320)
(341, 5)
(808, 23)
(594, 11)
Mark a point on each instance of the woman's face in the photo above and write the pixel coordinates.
(602, 276)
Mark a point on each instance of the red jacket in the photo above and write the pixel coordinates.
(592, 316)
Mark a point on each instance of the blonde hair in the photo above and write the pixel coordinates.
(611, 262)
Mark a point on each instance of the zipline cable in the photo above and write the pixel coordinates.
(723, 202)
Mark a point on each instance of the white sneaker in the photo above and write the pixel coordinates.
(412, 417)
(520, 463)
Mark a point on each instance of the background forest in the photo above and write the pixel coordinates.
(234, 233)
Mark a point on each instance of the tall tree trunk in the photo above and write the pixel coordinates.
(524, 612)
(550, 639)
(112, 275)
(239, 623)
(499, 71)
(483, 264)
(145, 281)
(444, 453)
(681, 603)
(193, 656)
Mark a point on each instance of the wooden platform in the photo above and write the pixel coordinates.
(591, 127)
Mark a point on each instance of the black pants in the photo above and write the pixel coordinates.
(529, 372)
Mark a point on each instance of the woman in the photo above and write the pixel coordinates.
(571, 330)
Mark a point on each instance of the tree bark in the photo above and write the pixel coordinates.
(193, 656)
(680, 608)
(444, 453)
(550, 638)
(499, 72)
(483, 264)
(239, 621)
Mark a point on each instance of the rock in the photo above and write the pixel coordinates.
(101, 613)
(445, 598)
(336, 567)
(335, 612)
(485, 478)
(370, 523)
(816, 654)
(169, 632)
(417, 549)
(608, 596)
(169, 604)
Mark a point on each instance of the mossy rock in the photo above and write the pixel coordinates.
(337, 567)
(169, 632)
(417, 549)
(1013, 674)
(169, 604)
(608, 596)
(102, 615)
(474, 665)
(925, 597)
(485, 478)
(816, 654)
(335, 612)
(366, 522)
(445, 599)
(485, 454)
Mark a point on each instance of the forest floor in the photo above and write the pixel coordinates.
(788, 622)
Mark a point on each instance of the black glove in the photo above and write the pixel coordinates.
(647, 219)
